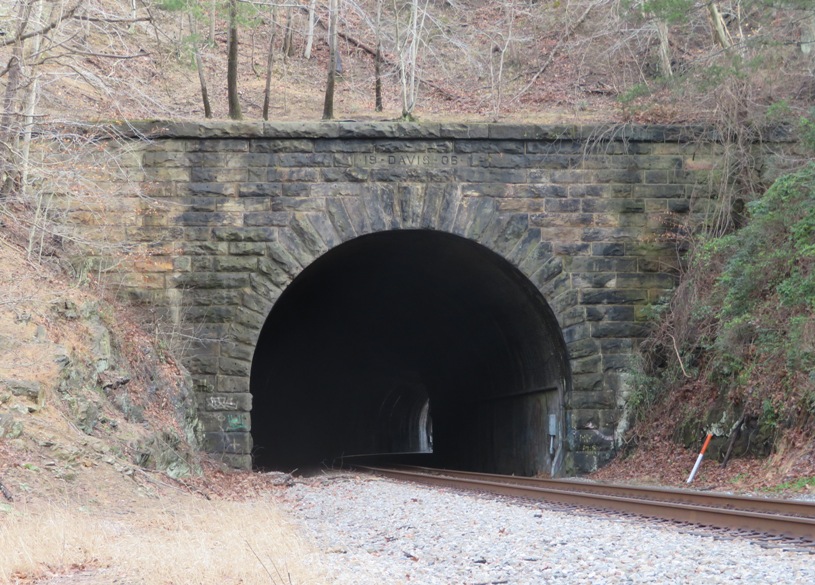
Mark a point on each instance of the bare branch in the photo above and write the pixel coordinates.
(69, 13)
(82, 17)
(554, 52)
(143, 53)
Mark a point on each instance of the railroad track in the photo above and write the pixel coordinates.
(762, 519)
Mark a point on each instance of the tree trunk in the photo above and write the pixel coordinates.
(10, 100)
(232, 63)
(808, 37)
(378, 59)
(9, 121)
(720, 33)
(30, 104)
(310, 35)
(199, 65)
(269, 65)
(212, 10)
(664, 49)
(410, 90)
(407, 48)
(412, 61)
(288, 38)
(401, 45)
(497, 72)
(328, 105)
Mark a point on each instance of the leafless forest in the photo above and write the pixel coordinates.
(742, 65)
(669, 60)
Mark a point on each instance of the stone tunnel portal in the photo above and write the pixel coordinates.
(410, 341)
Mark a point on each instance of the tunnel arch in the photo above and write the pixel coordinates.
(391, 333)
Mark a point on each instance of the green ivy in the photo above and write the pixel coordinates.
(776, 251)
(757, 315)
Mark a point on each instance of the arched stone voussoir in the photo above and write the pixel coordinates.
(261, 285)
(321, 223)
(378, 204)
(303, 252)
(538, 252)
(514, 227)
(358, 215)
(307, 235)
(282, 267)
(257, 302)
(410, 200)
(339, 219)
(472, 216)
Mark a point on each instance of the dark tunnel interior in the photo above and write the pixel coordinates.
(411, 341)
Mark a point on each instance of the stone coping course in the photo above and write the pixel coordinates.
(161, 129)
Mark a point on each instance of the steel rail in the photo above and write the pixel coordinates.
(701, 498)
(721, 517)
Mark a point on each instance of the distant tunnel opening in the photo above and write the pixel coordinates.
(410, 341)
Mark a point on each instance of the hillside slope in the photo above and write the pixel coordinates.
(581, 60)
(733, 353)
(100, 479)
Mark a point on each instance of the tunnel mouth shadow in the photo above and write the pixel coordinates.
(410, 341)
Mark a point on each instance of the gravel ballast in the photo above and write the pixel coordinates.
(377, 531)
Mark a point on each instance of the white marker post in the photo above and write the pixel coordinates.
(699, 459)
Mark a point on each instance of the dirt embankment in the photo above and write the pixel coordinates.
(101, 482)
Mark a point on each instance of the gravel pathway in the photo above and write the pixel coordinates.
(379, 532)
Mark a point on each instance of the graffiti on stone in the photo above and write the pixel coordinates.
(234, 422)
(222, 403)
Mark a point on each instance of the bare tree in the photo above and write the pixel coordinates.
(232, 63)
(213, 9)
(808, 37)
(47, 44)
(328, 104)
(269, 65)
(719, 28)
(665, 66)
(199, 65)
(288, 34)
(312, 7)
(31, 102)
(500, 38)
(378, 59)
(409, 26)
(9, 127)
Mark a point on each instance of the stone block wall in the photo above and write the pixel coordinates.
(218, 218)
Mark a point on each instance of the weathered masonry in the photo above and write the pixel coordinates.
(472, 290)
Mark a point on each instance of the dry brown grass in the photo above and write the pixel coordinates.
(176, 539)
